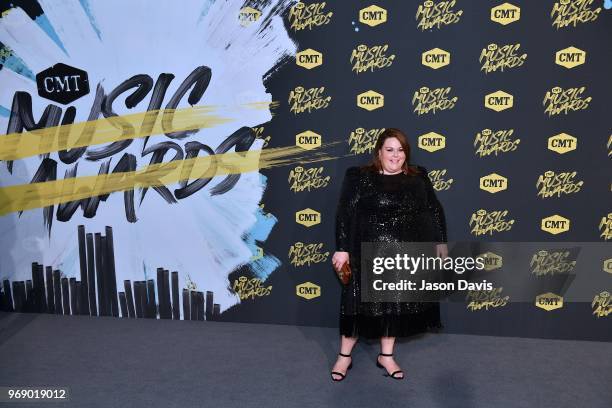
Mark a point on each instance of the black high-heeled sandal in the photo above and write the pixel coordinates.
(393, 374)
(340, 374)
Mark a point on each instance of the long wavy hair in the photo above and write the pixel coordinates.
(376, 166)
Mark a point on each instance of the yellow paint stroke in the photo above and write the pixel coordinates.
(36, 195)
(15, 146)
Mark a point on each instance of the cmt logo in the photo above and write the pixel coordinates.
(308, 217)
(549, 301)
(491, 261)
(435, 58)
(570, 57)
(309, 58)
(308, 140)
(607, 265)
(555, 224)
(308, 290)
(505, 14)
(370, 100)
(431, 142)
(62, 83)
(372, 15)
(248, 15)
(493, 183)
(562, 143)
(499, 101)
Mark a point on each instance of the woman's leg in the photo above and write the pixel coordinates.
(342, 363)
(386, 347)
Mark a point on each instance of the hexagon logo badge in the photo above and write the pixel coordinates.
(570, 57)
(493, 183)
(247, 15)
(549, 301)
(308, 290)
(431, 142)
(607, 265)
(370, 100)
(308, 140)
(372, 15)
(562, 143)
(435, 58)
(62, 83)
(499, 101)
(555, 224)
(308, 217)
(505, 14)
(309, 58)
(491, 261)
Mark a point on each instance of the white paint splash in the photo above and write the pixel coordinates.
(113, 40)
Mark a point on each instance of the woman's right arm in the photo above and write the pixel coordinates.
(349, 196)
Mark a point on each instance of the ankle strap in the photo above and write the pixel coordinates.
(344, 355)
(386, 355)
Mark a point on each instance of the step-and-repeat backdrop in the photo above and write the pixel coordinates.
(184, 161)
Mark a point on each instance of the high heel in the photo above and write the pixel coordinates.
(392, 375)
(340, 374)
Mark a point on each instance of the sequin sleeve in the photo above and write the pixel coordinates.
(435, 208)
(345, 212)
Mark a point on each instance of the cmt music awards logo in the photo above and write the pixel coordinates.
(248, 15)
(495, 57)
(562, 143)
(552, 184)
(308, 290)
(435, 15)
(309, 58)
(485, 299)
(489, 142)
(491, 261)
(366, 58)
(602, 306)
(435, 58)
(250, 288)
(558, 100)
(555, 224)
(301, 254)
(572, 12)
(370, 100)
(499, 101)
(488, 222)
(301, 179)
(427, 100)
(431, 142)
(302, 100)
(438, 181)
(549, 301)
(505, 14)
(570, 57)
(302, 16)
(363, 140)
(605, 226)
(62, 83)
(552, 262)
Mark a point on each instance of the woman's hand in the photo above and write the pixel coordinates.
(441, 251)
(339, 259)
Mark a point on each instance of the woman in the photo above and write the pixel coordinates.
(385, 201)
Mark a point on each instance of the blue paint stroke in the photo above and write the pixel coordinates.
(45, 25)
(205, 9)
(16, 64)
(4, 112)
(264, 266)
(607, 4)
(92, 20)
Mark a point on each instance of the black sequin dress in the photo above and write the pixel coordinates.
(375, 207)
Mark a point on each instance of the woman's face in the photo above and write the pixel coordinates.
(392, 155)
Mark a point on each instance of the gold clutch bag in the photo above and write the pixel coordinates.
(345, 273)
